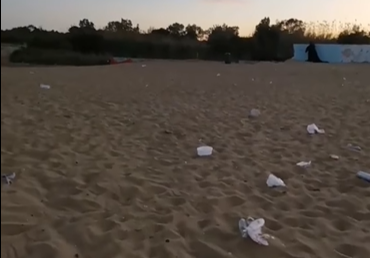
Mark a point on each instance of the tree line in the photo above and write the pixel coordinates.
(269, 41)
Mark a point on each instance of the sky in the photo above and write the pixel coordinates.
(60, 15)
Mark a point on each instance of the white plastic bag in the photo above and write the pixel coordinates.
(304, 164)
(8, 178)
(313, 129)
(274, 181)
(252, 228)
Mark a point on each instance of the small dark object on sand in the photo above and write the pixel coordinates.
(227, 58)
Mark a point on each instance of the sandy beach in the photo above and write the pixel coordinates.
(106, 166)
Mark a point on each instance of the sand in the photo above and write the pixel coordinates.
(106, 166)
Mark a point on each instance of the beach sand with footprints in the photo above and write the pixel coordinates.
(106, 166)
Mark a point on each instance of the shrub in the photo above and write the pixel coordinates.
(56, 57)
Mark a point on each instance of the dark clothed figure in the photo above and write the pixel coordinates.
(312, 54)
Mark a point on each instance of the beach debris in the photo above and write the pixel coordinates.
(363, 175)
(218, 75)
(8, 179)
(144, 65)
(274, 181)
(252, 228)
(334, 156)
(204, 151)
(304, 164)
(353, 147)
(313, 129)
(254, 113)
(45, 86)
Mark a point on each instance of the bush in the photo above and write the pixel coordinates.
(56, 57)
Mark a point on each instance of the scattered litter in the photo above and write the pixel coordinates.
(334, 156)
(313, 129)
(364, 176)
(218, 74)
(204, 151)
(304, 164)
(274, 181)
(254, 113)
(44, 86)
(253, 228)
(354, 147)
(143, 65)
(8, 179)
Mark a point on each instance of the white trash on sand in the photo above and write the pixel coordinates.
(8, 179)
(254, 113)
(204, 151)
(336, 157)
(304, 164)
(313, 129)
(45, 86)
(252, 228)
(354, 147)
(363, 175)
(274, 181)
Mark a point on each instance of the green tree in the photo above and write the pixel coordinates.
(194, 32)
(86, 24)
(176, 29)
(125, 25)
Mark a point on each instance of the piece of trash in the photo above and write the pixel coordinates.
(364, 176)
(254, 113)
(218, 74)
(354, 147)
(44, 86)
(252, 228)
(334, 156)
(143, 65)
(274, 181)
(204, 151)
(8, 178)
(304, 164)
(313, 129)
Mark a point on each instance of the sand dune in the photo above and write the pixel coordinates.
(106, 166)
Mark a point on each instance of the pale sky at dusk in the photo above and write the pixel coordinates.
(60, 15)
